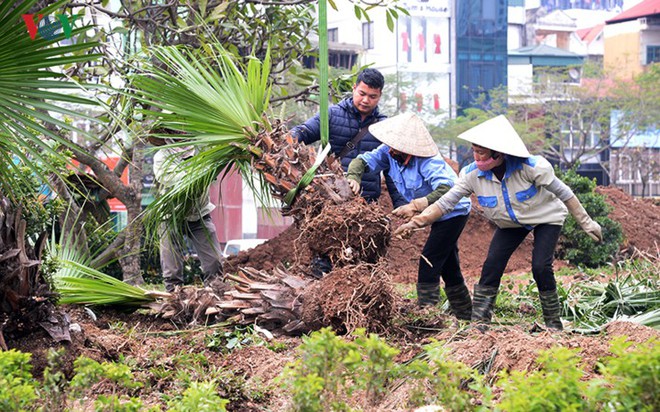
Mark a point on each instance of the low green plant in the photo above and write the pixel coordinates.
(575, 245)
(440, 380)
(54, 386)
(330, 369)
(633, 376)
(317, 378)
(556, 386)
(199, 396)
(228, 340)
(372, 364)
(89, 372)
(114, 403)
(17, 386)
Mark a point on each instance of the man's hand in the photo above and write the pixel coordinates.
(355, 186)
(412, 208)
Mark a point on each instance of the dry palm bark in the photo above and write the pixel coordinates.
(334, 223)
(26, 302)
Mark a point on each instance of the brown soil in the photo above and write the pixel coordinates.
(639, 219)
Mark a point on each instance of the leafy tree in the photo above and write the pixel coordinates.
(247, 29)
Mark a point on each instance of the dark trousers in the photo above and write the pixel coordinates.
(441, 251)
(506, 241)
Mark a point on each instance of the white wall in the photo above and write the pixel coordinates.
(519, 79)
(418, 52)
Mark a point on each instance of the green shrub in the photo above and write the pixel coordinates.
(575, 245)
(199, 397)
(88, 372)
(443, 381)
(330, 369)
(17, 391)
(557, 386)
(372, 364)
(113, 403)
(634, 376)
(317, 378)
(54, 385)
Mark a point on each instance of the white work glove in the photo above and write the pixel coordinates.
(355, 186)
(426, 218)
(412, 208)
(584, 220)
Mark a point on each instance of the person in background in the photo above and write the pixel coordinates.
(349, 136)
(198, 227)
(411, 159)
(520, 194)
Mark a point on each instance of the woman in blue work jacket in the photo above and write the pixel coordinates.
(421, 176)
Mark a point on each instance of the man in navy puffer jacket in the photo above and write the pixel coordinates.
(346, 119)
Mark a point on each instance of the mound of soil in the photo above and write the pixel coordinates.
(639, 219)
(351, 297)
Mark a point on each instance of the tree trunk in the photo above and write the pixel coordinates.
(130, 259)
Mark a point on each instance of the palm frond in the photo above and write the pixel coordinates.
(634, 297)
(218, 104)
(31, 87)
(78, 283)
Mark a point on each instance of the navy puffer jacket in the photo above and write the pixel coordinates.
(344, 123)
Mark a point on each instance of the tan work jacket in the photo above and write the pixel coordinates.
(168, 172)
(520, 199)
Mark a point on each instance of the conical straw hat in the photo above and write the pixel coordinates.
(405, 133)
(497, 134)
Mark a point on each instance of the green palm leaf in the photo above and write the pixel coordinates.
(31, 91)
(220, 106)
(78, 283)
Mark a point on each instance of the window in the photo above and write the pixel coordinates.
(368, 35)
(333, 35)
(652, 54)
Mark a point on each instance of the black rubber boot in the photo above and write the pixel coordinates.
(551, 309)
(483, 301)
(428, 294)
(321, 265)
(460, 302)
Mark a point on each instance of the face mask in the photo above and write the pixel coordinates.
(401, 158)
(488, 164)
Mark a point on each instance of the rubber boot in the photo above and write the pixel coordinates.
(483, 301)
(551, 309)
(460, 303)
(428, 294)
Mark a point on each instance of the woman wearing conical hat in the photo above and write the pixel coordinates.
(421, 176)
(519, 193)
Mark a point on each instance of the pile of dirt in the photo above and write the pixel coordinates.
(639, 219)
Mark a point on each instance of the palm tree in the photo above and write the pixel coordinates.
(31, 100)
